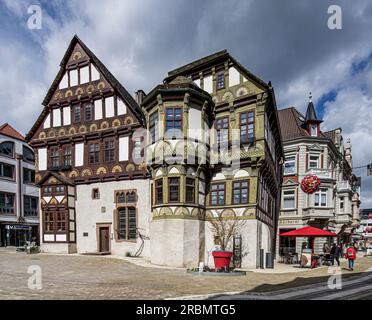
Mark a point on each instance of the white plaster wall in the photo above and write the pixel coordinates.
(88, 214)
(177, 242)
(249, 244)
(66, 116)
(234, 77)
(109, 107)
(64, 82)
(42, 156)
(56, 118)
(84, 75)
(123, 148)
(79, 154)
(208, 84)
(122, 108)
(58, 247)
(73, 77)
(46, 124)
(98, 109)
(195, 131)
(95, 73)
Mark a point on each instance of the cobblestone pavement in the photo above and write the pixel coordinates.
(95, 277)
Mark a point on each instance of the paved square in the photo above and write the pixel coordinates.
(95, 277)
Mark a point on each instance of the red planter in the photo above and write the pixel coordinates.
(222, 259)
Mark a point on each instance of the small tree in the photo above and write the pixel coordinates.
(224, 227)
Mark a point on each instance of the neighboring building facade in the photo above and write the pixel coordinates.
(308, 150)
(364, 233)
(108, 188)
(18, 194)
(199, 113)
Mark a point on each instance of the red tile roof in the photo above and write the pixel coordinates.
(290, 124)
(7, 130)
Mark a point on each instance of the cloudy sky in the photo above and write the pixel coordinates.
(287, 42)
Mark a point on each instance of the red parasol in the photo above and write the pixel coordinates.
(308, 232)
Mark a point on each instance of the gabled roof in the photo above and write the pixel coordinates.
(59, 177)
(124, 94)
(210, 60)
(7, 130)
(291, 122)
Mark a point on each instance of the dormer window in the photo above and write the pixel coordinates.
(314, 130)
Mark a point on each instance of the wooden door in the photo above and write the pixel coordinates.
(104, 239)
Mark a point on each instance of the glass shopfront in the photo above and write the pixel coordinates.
(17, 234)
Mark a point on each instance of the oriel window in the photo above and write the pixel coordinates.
(174, 189)
(173, 122)
(94, 153)
(109, 151)
(247, 127)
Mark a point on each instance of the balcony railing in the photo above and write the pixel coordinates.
(343, 185)
(321, 173)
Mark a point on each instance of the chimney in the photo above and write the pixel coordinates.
(140, 94)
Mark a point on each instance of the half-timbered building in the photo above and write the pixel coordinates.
(94, 197)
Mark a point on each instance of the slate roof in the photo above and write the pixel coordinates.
(211, 60)
(7, 130)
(125, 95)
(311, 114)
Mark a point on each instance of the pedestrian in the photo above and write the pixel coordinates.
(337, 254)
(326, 248)
(350, 255)
(333, 250)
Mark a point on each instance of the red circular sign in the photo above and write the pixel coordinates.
(310, 184)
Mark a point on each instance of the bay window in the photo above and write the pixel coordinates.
(320, 198)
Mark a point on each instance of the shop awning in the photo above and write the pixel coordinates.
(308, 232)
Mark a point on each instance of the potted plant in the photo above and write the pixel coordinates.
(224, 227)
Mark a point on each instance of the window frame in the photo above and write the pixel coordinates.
(159, 186)
(190, 189)
(30, 174)
(218, 75)
(24, 148)
(218, 130)
(154, 126)
(111, 151)
(2, 176)
(127, 228)
(77, 107)
(317, 161)
(240, 191)
(294, 164)
(289, 196)
(30, 198)
(54, 155)
(96, 153)
(174, 185)
(166, 133)
(320, 193)
(218, 194)
(4, 210)
(246, 125)
(89, 106)
(13, 149)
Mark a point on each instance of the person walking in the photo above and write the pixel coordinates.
(337, 254)
(333, 250)
(350, 255)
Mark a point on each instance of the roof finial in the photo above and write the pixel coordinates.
(310, 96)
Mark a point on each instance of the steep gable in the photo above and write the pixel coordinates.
(7, 130)
(81, 72)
